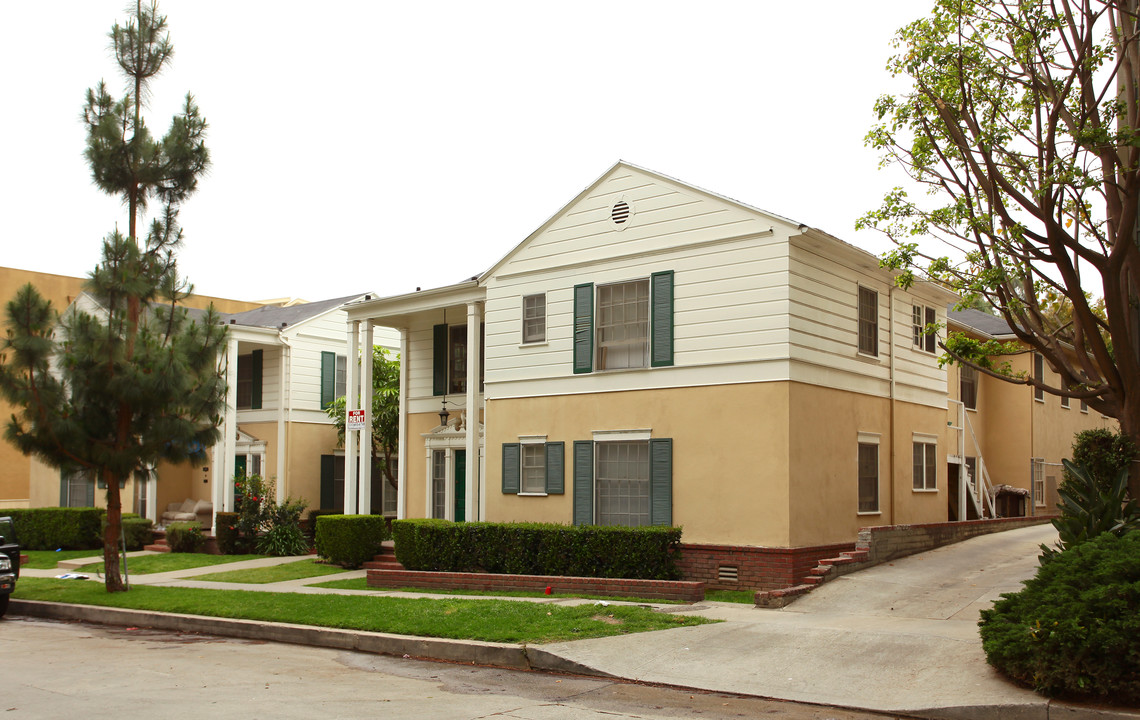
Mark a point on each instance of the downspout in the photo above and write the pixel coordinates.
(284, 429)
(891, 335)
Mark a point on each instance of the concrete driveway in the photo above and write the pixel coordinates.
(901, 637)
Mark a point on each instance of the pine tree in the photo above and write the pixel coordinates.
(115, 392)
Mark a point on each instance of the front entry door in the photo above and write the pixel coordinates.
(460, 485)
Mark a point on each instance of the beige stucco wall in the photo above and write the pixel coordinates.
(417, 489)
(738, 427)
(825, 426)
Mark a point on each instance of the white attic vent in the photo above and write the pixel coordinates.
(620, 214)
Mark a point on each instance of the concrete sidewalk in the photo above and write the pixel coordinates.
(898, 638)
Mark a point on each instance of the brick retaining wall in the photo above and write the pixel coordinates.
(685, 591)
(757, 568)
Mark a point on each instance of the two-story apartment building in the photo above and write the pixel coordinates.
(284, 364)
(658, 354)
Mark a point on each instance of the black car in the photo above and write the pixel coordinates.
(9, 561)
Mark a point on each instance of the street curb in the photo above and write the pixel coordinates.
(518, 657)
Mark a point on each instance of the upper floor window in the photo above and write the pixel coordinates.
(1039, 375)
(334, 377)
(449, 360)
(868, 321)
(921, 318)
(248, 384)
(534, 318)
(968, 386)
(624, 325)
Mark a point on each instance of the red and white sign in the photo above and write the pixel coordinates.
(355, 420)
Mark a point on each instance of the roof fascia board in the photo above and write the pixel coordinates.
(424, 300)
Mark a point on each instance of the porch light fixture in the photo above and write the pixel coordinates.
(443, 414)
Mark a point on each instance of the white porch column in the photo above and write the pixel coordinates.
(229, 427)
(151, 509)
(402, 443)
(352, 389)
(474, 360)
(366, 433)
(282, 381)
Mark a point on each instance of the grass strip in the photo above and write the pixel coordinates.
(49, 559)
(506, 621)
(274, 573)
(166, 562)
(362, 584)
(744, 597)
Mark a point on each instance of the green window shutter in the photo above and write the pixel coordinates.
(327, 482)
(63, 488)
(328, 379)
(583, 482)
(90, 487)
(255, 404)
(661, 482)
(661, 311)
(512, 468)
(439, 360)
(584, 328)
(555, 468)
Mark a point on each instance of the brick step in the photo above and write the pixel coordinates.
(857, 555)
(841, 560)
(782, 597)
(159, 544)
(383, 564)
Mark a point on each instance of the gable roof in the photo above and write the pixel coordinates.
(978, 321)
(276, 316)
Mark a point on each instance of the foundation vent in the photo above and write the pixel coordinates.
(727, 573)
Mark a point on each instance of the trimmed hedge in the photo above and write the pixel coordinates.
(226, 533)
(54, 528)
(538, 549)
(185, 537)
(350, 540)
(1074, 629)
(137, 531)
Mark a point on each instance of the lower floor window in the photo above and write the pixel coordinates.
(925, 465)
(534, 468)
(868, 477)
(439, 484)
(623, 483)
(76, 489)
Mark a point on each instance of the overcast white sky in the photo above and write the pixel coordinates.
(380, 146)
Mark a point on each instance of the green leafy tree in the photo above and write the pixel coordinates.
(385, 412)
(1021, 126)
(117, 391)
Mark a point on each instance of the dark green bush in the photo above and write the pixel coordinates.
(283, 534)
(185, 537)
(1074, 630)
(538, 549)
(137, 531)
(58, 528)
(226, 533)
(309, 524)
(1103, 453)
(350, 540)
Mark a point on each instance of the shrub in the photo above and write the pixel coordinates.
(226, 533)
(283, 535)
(309, 525)
(1074, 629)
(538, 549)
(1089, 508)
(137, 531)
(350, 540)
(1103, 453)
(58, 528)
(185, 537)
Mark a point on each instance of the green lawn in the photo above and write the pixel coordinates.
(507, 621)
(745, 597)
(49, 559)
(275, 573)
(164, 562)
(362, 584)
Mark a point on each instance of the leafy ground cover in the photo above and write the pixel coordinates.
(274, 573)
(166, 562)
(487, 620)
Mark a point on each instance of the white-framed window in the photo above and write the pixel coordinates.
(622, 483)
(1038, 482)
(1039, 375)
(533, 467)
(868, 321)
(968, 386)
(439, 484)
(534, 318)
(1065, 401)
(925, 462)
(340, 387)
(868, 473)
(622, 326)
(1084, 407)
(921, 317)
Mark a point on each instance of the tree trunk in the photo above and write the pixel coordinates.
(111, 535)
